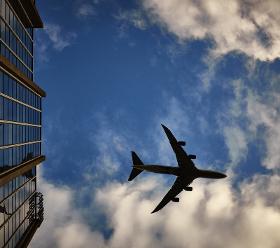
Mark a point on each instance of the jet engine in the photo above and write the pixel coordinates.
(181, 143)
(175, 199)
(191, 156)
(188, 188)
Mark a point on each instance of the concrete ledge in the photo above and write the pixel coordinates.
(27, 12)
(7, 65)
(16, 171)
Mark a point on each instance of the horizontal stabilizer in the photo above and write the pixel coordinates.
(136, 161)
(134, 173)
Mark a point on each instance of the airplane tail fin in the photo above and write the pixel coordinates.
(136, 161)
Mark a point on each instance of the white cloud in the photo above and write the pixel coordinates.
(59, 39)
(237, 143)
(52, 37)
(41, 50)
(213, 215)
(85, 10)
(254, 110)
(63, 224)
(133, 17)
(209, 74)
(108, 146)
(251, 27)
(236, 138)
(266, 114)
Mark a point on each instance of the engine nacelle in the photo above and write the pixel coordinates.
(191, 156)
(181, 143)
(188, 188)
(175, 199)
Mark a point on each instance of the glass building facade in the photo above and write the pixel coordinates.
(21, 209)
(16, 40)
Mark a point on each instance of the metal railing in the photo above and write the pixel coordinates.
(36, 208)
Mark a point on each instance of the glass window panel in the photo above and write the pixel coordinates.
(6, 133)
(5, 108)
(6, 84)
(1, 108)
(1, 81)
(1, 161)
(10, 156)
(6, 157)
(1, 134)
(10, 110)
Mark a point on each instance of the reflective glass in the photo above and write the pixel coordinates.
(17, 199)
(20, 129)
(11, 87)
(16, 41)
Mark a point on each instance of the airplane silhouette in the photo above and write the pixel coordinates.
(186, 171)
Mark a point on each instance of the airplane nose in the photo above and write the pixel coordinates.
(223, 175)
(220, 175)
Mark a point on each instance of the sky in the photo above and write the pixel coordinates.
(113, 72)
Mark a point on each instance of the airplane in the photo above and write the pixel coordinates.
(185, 172)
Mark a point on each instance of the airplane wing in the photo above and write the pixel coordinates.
(182, 157)
(176, 189)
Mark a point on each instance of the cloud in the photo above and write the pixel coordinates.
(266, 114)
(135, 18)
(236, 137)
(85, 10)
(53, 36)
(41, 50)
(237, 143)
(63, 224)
(214, 215)
(251, 27)
(252, 117)
(59, 39)
(108, 144)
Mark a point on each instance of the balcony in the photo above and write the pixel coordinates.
(36, 208)
(35, 216)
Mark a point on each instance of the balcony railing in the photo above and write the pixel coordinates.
(36, 208)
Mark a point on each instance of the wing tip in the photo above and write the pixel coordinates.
(165, 128)
(156, 209)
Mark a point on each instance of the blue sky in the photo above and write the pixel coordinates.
(113, 72)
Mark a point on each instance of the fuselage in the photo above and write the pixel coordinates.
(180, 171)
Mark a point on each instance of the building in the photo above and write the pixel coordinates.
(21, 206)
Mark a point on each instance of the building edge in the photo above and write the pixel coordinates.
(28, 235)
(27, 12)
